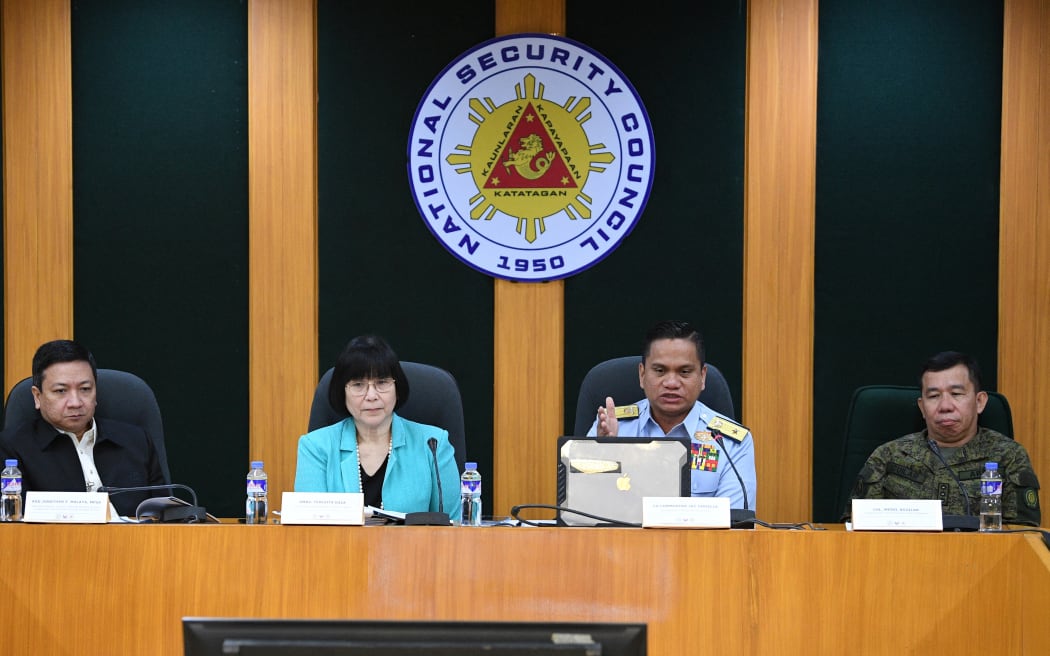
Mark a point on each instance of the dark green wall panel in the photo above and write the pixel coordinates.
(380, 269)
(160, 202)
(684, 258)
(908, 123)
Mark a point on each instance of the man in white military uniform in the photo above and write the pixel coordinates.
(672, 373)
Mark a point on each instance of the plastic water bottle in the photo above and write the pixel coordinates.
(11, 492)
(991, 498)
(255, 508)
(470, 495)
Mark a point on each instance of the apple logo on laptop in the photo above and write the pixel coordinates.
(623, 483)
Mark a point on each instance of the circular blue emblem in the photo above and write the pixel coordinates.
(531, 157)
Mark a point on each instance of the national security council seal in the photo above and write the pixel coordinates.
(531, 157)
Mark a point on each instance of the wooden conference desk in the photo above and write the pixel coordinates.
(120, 589)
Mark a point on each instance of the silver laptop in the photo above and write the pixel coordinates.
(603, 479)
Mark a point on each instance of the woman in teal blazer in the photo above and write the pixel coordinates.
(374, 450)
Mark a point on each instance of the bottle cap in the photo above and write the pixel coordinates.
(993, 466)
(470, 466)
(11, 462)
(257, 464)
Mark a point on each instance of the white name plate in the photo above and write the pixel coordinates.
(685, 512)
(337, 508)
(897, 515)
(66, 507)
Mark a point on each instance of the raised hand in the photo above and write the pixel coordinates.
(608, 424)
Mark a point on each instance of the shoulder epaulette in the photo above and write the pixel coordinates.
(730, 429)
(627, 411)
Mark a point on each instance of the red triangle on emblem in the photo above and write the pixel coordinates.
(530, 159)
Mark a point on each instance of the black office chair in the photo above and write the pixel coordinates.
(618, 378)
(881, 413)
(122, 396)
(433, 398)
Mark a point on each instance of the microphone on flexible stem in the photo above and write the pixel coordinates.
(161, 509)
(965, 522)
(433, 444)
(439, 518)
(738, 518)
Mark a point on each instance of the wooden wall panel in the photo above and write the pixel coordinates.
(779, 209)
(1024, 224)
(529, 370)
(282, 198)
(38, 180)
(528, 344)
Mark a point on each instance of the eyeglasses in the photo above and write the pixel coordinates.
(360, 387)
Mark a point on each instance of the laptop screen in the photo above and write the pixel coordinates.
(604, 479)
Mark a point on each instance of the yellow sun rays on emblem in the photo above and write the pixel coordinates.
(530, 158)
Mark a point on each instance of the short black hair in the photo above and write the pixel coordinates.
(673, 329)
(948, 359)
(60, 350)
(366, 356)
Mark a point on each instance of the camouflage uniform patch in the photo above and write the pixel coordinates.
(1031, 498)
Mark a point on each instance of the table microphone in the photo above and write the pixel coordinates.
(965, 522)
(439, 518)
(163, 510)
(738, 518)
(433, 444)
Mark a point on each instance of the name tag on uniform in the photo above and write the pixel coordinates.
(897, 515)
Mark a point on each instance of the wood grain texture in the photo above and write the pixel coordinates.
(539, 16)
(282, 203)
(834, 592)
(529, 380)
(38, 180)
(1024, 226)
(528, 342)
(779, 216)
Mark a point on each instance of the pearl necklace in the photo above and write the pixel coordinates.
(360, 477)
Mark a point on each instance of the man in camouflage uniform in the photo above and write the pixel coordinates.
(909, 467)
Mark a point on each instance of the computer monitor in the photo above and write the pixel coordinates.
(215, 636)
